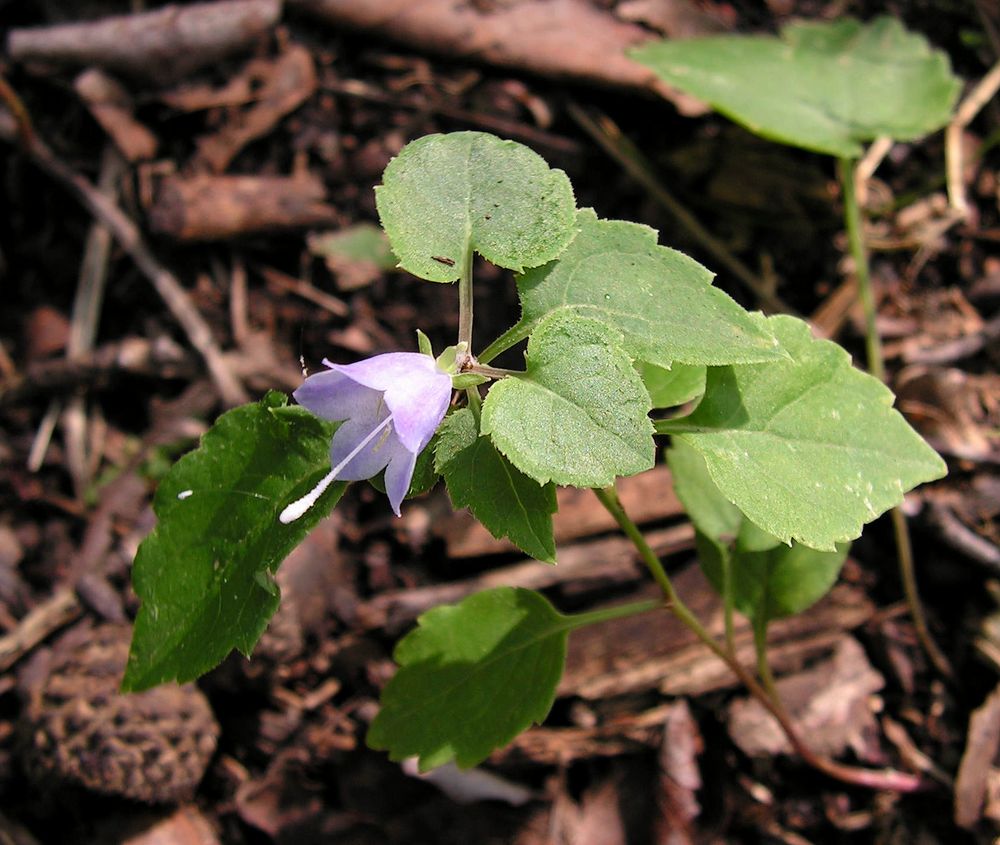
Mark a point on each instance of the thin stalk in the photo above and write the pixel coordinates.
(465, 302)
(885, 779)
(876, 366)
(727, 603)
(606, 614)
(763, 667)
(475, 401)
(855, 237)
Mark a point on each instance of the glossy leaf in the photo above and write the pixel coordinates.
(471, 677)
(578, 416)
(659, 299)
(823, 86)
(810, 448)
(501, 497)
(445, 195)
(205, 573)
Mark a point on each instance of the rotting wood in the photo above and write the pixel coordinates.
(656, 651)
(111, 107)
(285, 83)
(565, 39)
(207, 208)
(602, 562)
(162, 45)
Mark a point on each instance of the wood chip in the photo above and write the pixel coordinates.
(979, 758)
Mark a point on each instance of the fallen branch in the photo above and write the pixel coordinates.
(163, 45)
(128, 236)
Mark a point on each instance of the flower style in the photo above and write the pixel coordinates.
(391, 406)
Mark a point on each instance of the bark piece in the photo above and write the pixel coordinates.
(680, 777)
(284, 84)
(646, 497)
(595, 565)
(163, 45)
(829, 703)
(656, 651)
(111, 107)
(565, 39)
(977, 762)
(209, 208)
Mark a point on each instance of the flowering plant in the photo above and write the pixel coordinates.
(787, 452)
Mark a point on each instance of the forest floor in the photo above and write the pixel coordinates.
(234, 168)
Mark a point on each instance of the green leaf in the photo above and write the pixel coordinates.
(204, 573)
(659, 299)
(809, 448)
(578, 416)
(774, 583)
(669, 388)
(823, 86)
(501, 497)
(769, 579)
(471, 677)
(445, 195)
(364, 243)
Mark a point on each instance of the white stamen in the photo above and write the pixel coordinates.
(300, 506)
(184, 494)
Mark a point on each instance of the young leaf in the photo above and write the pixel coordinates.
(445, 195)
(773, 583)
(204, 573)
(669, 388)
(471, 677)
(823, 86)
(578, 416)
(659, 299)
(501, 497)
(809, 448)
(769, 579)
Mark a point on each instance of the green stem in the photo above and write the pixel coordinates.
(763, 667)
(475, 402)
(876, 366)
(465, 301)
(855, 237)
(606, 614)
(727, 603)
(886, 779)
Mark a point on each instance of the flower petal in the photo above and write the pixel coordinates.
(335, 396)
(416, 391)
(398, 475)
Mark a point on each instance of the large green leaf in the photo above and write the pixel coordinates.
(824, 86)
(501, 497)
(205, 573)
(578, 416)
(445, 195)
(661, 301)
(471, 677)
(768, 579)
(808, 448)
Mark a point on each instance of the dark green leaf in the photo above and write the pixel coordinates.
(501, 497)
(205, 572)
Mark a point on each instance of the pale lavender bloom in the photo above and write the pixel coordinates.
(391, 406)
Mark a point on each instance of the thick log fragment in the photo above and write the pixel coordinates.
(566, 39)
(162, 45)
(209, 208)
